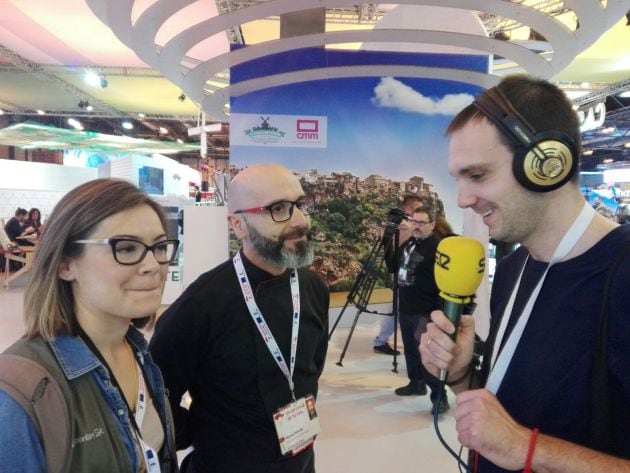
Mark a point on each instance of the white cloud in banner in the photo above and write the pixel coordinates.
(391, 93)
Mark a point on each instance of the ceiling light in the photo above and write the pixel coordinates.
(607, 161)
(181, 98)
(84, 104)
(587, 152)
(610, 129)
(163, 131)
(127, 125)
(76, 124)
(625, 94)
(180, 141)
(40, 112)
(92, 78)
(585, 85)
(626, 145)
(141, 115)
(1, 112)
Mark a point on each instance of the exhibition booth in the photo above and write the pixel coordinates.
(204, 242)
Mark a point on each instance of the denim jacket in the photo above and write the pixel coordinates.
(20, 447)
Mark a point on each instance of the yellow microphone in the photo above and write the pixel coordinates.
(459, 267)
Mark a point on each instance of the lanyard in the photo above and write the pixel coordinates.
(501, 361)
(409, 248)
(149, 455)
(261, 324)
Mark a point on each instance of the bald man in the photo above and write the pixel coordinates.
(229, 338)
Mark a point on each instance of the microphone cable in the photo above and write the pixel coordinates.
(460, 462)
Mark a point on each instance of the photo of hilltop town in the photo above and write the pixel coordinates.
(350, 216)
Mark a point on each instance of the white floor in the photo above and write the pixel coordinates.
(366, 428)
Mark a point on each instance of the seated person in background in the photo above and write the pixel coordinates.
(97, 279)
(34, 221)
(15, 228)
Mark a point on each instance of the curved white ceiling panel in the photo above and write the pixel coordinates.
(174, 58)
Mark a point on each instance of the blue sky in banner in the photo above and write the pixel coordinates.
(382, 125)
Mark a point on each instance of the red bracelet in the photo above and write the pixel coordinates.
(530, 452)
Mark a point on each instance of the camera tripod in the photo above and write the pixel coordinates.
(363, 285)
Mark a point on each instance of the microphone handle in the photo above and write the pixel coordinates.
(453, 311)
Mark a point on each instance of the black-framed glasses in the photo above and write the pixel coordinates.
(282, 210)
(128, 251)
(422, 223)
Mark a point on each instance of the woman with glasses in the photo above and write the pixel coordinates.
(97, 278)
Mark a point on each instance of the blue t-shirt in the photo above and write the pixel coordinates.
(547, 384)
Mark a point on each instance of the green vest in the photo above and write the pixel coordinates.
(95, 442)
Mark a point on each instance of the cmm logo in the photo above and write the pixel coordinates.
(307, 129)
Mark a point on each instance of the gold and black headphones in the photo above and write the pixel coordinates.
(542, 161)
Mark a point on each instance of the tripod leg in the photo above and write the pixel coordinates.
(345, 347)
(395, 361)
(345, 306)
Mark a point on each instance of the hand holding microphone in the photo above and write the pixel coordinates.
(459, 267)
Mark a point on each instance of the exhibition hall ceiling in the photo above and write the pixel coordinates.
(159, 62)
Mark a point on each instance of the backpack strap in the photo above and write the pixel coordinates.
(601, 415)
(39, 394)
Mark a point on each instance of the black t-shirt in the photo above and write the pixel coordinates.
(420, 294)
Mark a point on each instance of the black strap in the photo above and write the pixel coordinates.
(601, 415)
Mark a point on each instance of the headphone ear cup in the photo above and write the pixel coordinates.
(547, 164)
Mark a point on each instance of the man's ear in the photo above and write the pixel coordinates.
(65, 270)
(237, 224)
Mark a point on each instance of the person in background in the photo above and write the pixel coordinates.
(247, 340)
(96, 279)
(381, 342)
(442, 228)
(534, 404)
(14, 228)
(417, 297)
(197, 194)
(34, 221)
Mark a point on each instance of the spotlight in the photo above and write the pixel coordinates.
(163, 131)
(127, 125)
(75, 124)
(85, 105)
(181, 98)
(91, 78)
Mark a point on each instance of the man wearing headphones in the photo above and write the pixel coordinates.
(554, 376)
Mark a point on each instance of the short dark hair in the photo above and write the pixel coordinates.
(20, 211)
(426, 210)
(545, 107)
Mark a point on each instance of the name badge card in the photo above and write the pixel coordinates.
(297, 425)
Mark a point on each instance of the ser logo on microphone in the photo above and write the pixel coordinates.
(442, 260)
(482, 265)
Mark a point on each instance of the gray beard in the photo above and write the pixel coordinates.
(274, 251)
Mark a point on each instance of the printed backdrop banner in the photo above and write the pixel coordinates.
(290, 131)
(357, 144)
